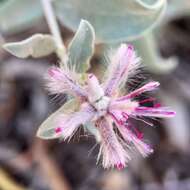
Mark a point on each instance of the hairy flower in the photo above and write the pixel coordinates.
(103, 105)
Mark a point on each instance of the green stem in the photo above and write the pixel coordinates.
(54, 28)
(148, 51)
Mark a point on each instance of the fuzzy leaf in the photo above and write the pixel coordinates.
(113, 21)
(47, 128)
(178, 8)
(81, 47)
(18, 15)
(38, 45)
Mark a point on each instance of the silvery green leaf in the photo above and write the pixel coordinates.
(47, 128)
(178, 8)
(17, 15)
(113, 20)
(38, 45)
(81, 48)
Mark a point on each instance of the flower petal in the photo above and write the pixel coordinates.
(59, 81)
(123, 62)
(128, 136)
(68, 126)
(147, 87)
(153, 112)
(114, 155)
(123, 106)
(91, 128)
(95, 92)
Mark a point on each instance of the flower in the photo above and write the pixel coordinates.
(103, 105)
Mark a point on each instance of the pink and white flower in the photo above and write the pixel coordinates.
(102, 104)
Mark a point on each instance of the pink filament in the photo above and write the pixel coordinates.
(54, 72)
(120, 166)
(125, 115)
(58, 130)
(158, 105)
(147, 100)
(118, 121)
(147, 87)
(138, 134)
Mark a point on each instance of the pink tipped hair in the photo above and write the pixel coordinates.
(123, 64)
(59, 81)
(113, 154)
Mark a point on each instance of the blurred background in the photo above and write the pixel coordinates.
(28, 163)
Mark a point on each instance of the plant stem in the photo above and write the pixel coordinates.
(148, 51)
(54, 28)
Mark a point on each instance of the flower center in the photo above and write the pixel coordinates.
(101, 105)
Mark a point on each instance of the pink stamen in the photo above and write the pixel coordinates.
(158, 105)
(147, 100)
(118, 121)
(50, 72)
(130, 46)
(53, 71)
(130, 50)
(125, 115)
(120, 166)
(149, 111)
(138, 134)
(58, 130)
(147, 87)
